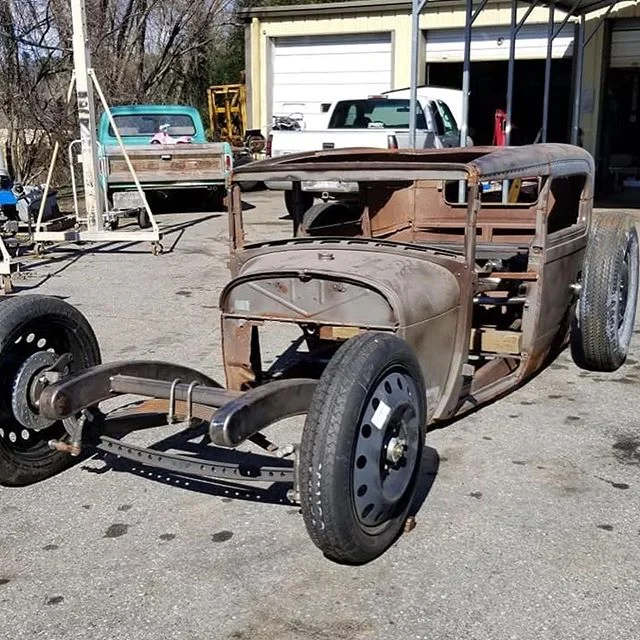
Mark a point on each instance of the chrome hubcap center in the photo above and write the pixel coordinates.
(396, 449)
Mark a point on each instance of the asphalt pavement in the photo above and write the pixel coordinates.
(529, 527)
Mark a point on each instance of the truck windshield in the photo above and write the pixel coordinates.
(374, 113)
(148, 124)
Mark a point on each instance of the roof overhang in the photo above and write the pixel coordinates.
(354, 7)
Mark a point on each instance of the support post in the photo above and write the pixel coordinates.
(547, 73)
(415, 56)
(513, 33)
(87, 118)
(466, 73)
(466, 86)
(577, 103)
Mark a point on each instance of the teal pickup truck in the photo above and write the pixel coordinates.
(168, 150)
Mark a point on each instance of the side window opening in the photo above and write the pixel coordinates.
(565, 208)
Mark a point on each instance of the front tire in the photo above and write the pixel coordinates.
(34, 332)
(602, 328)
(361, 448)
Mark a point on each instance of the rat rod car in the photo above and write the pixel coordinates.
(416, 306)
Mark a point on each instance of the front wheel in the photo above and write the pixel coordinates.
(361, 448)
(35, 331)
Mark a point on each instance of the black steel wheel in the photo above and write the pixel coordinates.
(35, 331)
(605, 315)
(361, 448)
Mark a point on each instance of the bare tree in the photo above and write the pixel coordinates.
(142, 50)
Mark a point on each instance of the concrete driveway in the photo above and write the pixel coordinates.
(529, 528)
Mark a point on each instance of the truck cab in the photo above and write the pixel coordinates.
(139, 123)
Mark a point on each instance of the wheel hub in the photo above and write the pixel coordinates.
(386, 449)
(395, 450)
(27, 387)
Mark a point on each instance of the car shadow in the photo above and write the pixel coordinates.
(429, 466)
(192, 442)
(66, 255)
(186, 444)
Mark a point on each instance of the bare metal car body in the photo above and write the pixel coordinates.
(418, 265)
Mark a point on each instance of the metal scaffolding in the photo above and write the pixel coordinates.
(91, 226)
(571, 8)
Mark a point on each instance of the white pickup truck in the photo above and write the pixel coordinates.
(376, 121)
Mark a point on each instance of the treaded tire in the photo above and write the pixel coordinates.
(54, 324)
(306, 201)
(327, 218)
(332, 434)
(605, 314)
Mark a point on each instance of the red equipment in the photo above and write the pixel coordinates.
(499, 129)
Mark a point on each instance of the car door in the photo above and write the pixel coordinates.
(445, 124)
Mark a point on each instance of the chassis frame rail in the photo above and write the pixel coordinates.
(198, 467)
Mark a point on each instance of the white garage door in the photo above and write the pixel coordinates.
(309, 72)
(492, 43)
(625, 45)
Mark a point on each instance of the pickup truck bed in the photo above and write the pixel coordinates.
(286, 142)
(175, 166)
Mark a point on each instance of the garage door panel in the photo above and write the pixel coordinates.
(312, 50)
(339, 89)
(492, 43)
(311, 71)
(625, 48)
(338, 40)
(314, 63)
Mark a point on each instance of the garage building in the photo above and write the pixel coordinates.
(301, 58)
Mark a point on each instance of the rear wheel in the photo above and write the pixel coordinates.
(361, 448)
(296, 210)
(330, 218)
(606, 311)
(35, 331)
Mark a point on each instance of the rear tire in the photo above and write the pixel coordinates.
(30, 326)
(306, 202)
(361, 448)
(605, 314)
(330, 218)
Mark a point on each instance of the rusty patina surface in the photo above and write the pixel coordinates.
(481, 290)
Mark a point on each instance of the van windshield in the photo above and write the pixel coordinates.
(374, 113)
(148, 124)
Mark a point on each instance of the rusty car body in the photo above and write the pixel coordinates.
(417, 302)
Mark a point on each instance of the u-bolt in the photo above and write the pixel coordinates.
(171, 416)
(190, 401)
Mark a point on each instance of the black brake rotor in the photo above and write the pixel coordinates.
(26, 389)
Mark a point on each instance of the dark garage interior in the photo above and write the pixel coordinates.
(489, 93)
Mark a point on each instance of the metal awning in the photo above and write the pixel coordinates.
(581, 7)
(569, 8)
